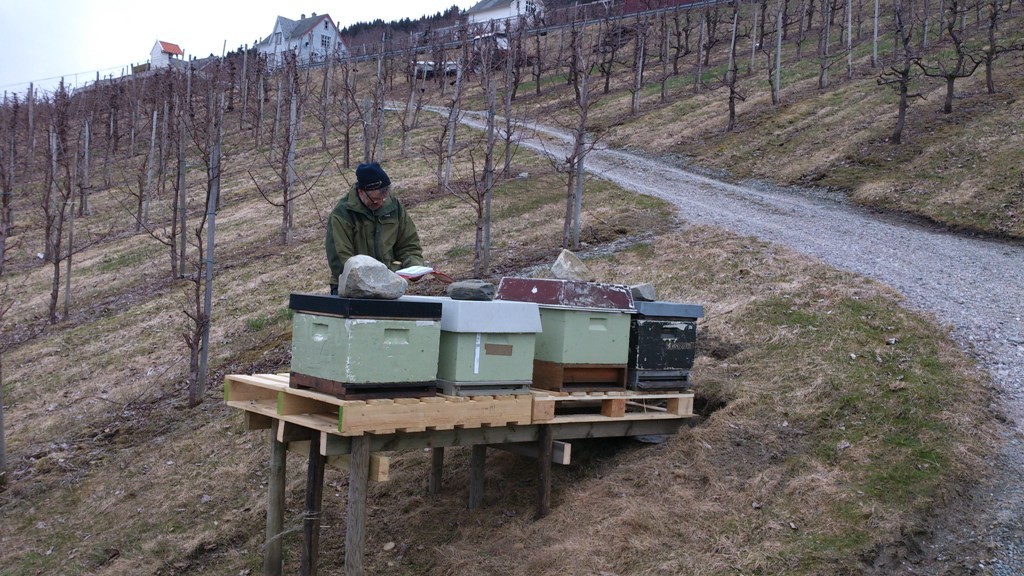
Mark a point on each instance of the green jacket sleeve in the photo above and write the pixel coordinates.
(340, 245)
(407, 246)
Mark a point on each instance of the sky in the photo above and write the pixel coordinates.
(44, 40)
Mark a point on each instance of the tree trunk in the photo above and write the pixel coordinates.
(245, 86)
(849, 39)
(3, 431)
(874, 39)
(289, 170)
(85, 189)
(182, 169)
(901, 117)
(779, 19)
(325, 98)
(754, 40)
(700, 59)
(732, 69)
(198, 389)
(826, 6)
(150, 165)
(947, 106)
(639, 57)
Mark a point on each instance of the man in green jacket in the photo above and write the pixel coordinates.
(369, 221)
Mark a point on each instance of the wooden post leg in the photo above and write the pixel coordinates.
(476, 475)
(272, 561)
(546, 445)
(355, 529)
(436, 470)
(314, 504)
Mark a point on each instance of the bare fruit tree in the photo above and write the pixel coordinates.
(995, 48)
(206, 130)
(731, 72)
(5, 306)
(583, 58)
(8, 161)
(965, 61)
(899, 75)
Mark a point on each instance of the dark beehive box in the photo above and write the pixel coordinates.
(662, 345)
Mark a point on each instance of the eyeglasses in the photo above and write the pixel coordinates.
(378, 195)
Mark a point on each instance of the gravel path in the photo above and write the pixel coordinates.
(976, 286)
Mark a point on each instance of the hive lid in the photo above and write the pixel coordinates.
(364, 307)
(567, 293)
(669, 309)
(493, 316)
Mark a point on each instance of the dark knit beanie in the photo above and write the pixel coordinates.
(371, 177)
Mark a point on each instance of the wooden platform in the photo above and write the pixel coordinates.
(269, 395)
(561, 408)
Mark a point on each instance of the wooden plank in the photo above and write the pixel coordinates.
(264, 407)
(477, 459)
(596, 418)
(613, 408)
(436, 470)
(290, 432)
(355, 525)
(468, 412)
(314, 503)
(288, 404)
(273, 563)
(682, 406)
(545, 445)
(606, 428)
(257, 421)
(561, 452)
(380, 465)
(240, 391)
(543, 409)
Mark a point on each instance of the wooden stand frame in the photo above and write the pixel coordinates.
(329, 431)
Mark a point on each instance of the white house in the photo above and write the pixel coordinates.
(163, 53)
(312, 39)
(505, 10)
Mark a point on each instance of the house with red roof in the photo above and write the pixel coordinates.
(312, 39)
(163, 53)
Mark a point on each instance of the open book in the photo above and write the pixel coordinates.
(413, 272)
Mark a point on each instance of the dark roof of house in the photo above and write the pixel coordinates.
(291, 29)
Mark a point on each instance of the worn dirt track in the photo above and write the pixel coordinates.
(974, 285)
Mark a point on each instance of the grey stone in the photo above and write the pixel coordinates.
(365, 277)
(644, 292)
(569, 267)
(471, 290)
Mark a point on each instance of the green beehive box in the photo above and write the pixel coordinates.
(482, 357)
(583, 336)
(485, 341)
(364, 342)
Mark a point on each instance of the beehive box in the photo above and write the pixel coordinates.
(662, 345)
(485, 343)
(582, 322)
(341, 345)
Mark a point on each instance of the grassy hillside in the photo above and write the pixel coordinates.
(833, 422)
